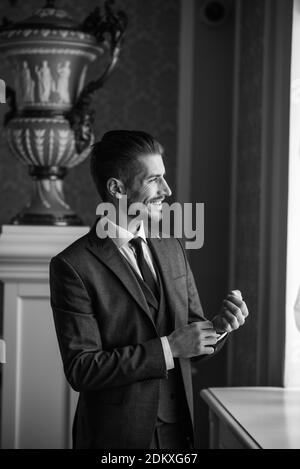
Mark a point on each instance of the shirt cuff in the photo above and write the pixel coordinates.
(167, 353)
(221, 336)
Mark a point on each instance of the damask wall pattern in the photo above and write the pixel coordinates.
(141, 94)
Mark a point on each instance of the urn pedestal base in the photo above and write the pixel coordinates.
(24, 218)
(47, 205)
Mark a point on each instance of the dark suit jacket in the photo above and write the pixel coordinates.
(110, 347)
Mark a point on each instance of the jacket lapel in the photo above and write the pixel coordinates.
(107, 253)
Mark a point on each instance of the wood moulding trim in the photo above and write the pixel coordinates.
(272, 217)
(185, 112)
(234, 175)
(274, 191)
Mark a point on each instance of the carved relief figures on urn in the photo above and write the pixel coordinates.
(49, 125)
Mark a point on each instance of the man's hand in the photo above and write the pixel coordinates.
(233, 313)
(192, 340)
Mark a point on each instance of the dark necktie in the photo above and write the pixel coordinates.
(143, 266)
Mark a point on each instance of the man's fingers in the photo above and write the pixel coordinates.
(210, 333)
(236, 293)
(223, 324)
(208, 351)
(204, 330)
(235, 297)
(210, 340)
(202, 324)
(205, 324)
(242, 309)
(232, 319)
(231, 306)
(235, 300)
(236, 311)
(240, 318)
(204, 335)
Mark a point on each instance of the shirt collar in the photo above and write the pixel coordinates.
(120, 236)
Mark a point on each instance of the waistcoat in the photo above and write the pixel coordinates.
(172, 400)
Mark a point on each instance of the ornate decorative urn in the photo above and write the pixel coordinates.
(49, 125)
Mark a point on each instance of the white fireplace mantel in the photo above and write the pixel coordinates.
(25, 251)
(37, 403)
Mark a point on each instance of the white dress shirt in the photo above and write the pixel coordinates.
(121, 237)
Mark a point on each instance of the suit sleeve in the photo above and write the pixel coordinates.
(87, 366)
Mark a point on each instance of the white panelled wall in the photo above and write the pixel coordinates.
(37, 403)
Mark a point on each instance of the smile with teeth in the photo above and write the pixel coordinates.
(156, 202)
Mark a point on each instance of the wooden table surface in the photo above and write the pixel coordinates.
(269, 417)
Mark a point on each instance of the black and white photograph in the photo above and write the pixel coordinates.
(149, 228)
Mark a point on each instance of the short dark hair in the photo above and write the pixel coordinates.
(115, 155)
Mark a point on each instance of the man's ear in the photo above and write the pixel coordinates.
(115, 188)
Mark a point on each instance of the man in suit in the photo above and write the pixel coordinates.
(127, 312)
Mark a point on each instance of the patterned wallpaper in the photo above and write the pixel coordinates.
(141, 94)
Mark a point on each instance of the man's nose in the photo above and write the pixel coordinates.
(165, 188)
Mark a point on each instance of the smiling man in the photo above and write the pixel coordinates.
(127, 312)
(141, 185)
